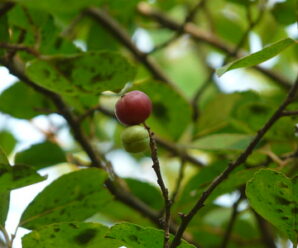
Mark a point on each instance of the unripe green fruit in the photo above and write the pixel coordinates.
(135, 139)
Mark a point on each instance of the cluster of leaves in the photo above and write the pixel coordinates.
(73, 57)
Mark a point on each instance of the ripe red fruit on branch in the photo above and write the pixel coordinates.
(133, 108)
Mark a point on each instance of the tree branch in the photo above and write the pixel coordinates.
(16, 69)
(186, 219)
(206, 37)
(164, 190)
(18, 47)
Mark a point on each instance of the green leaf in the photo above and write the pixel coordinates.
(275, 197)
(135, 236)
(59, 6)
(223, 141)
(4, 34)
(7, 141)
(29, 103)
(284, 12)
(39, 157)
(241, 2)
(3, 157)
(17, 176)
(69, 235)
(100, 39)
(85, 73)
(72, 197)
(258, 57)
(4, 206)
(148, 193)
(214, 116)
(167, 108)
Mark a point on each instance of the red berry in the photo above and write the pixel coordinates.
(133, 108)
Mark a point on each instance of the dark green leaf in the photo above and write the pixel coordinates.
(241, 2)
(167, 108)
(275, 197)
(148, 193)
(100, 39)
(258, 57)
(89, 73)
(134, 236)
(284, 12)
(4, 194)
(72, 197)
(69, 235)
(17, 176)
(7, 141)
(3, 157)
(4, 206)
(41, 155)
(3, 31)
(59, 5)
(29, 103)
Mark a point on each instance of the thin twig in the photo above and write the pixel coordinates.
(290, 113)
(164, 190)
(17, 47)
(232, 221)
(186, 219)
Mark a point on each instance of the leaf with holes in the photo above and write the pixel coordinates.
(72, 197)
(258, 57)
(85, 73)
(69, 235)
(275, 197)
